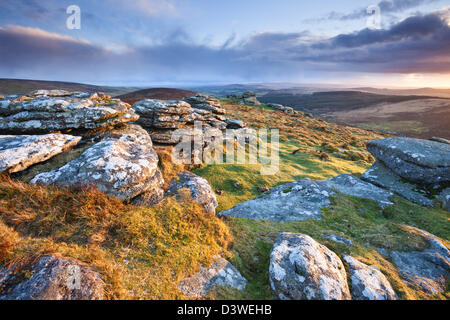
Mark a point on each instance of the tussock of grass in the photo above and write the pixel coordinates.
(140, 252)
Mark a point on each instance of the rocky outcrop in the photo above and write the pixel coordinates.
(302, 269)
(280, 107)
(122, 164)
(416, 160)
(428, 269)
(163, 114)
(248, 98)
(205, 102)
(20, 152)
(52, 278)
(304, 199)
(46, 111)
(219, 273)
(368, 283)
(199, 189)
(170, 121)
(383, 177)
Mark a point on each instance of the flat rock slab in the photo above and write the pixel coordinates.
(54, 110)
(368, 283)
(200, 190)
(304, 199)
(121, 165)
(382, 176)
(20, 152)
(295, 201)
(428, 269)
(303, 269)
(219, 273)
(421, 161)
(350, 185)
(53, 278)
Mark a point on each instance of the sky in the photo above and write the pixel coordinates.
(205, 42)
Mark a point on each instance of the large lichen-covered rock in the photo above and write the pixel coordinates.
(421, 161)
(303, 269)
(52, 278)
(199, 189)
(368, 283)
(46, 111)
(20, 152)
(122, 165)
(219, 273)
(304, 199)
(382, 176)
(428, 269)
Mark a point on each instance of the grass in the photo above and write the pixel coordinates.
(309, 148)
(395, 126)
(360, 220)
(356, 219)
(140, 252)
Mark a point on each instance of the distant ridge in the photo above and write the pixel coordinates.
(156, 93)
(11, 86)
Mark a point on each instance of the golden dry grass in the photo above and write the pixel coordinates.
(141, 253)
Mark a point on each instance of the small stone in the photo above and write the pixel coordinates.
(303, 269)
(199, 188)
(219, 273)
(52, 278)
(368, 283)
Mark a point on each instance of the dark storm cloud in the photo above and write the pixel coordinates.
(419, 44)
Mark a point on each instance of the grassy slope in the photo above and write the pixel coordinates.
(323, 150)
(143, 252)
(359, 220)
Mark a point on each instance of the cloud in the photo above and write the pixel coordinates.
(386, 7)
(152, 7)
(418, 44)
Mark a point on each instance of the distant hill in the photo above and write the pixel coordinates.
(412, 115)
(441, 93)
(11, 86)
(156, 93)
(329, 101)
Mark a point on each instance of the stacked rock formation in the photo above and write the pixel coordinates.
(168, 120)
(119, 159)
(45, 111)
(246, 97)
